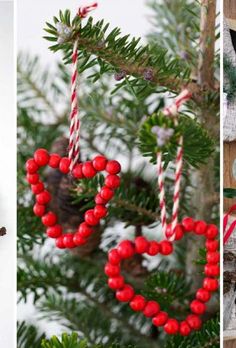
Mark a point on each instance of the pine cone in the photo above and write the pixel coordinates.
(69, 213)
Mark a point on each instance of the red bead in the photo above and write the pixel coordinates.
(210, 284)
(171, 327)
(211, 232)
(54, 231)
(84, 230)
(194, 321)
(126, 294)
(153, 248)
(60, 242)
(31, 166)
(200, 227)
(90, 218)
(184, 328)
(141, 245)
(43, 197)
(54, 160)
(99, 163)
(178, 231)
(114, 257)
(138, 303)
(49, 219)
(160, 319)
(169, 231)
(113, 167)
(99, 199)
(116, 283)
(151, 309)
(64, 165)
(188, 224)
(68, 240)
(37, 188)
(213, 257)
(112, 181)
(212, 245)
(78, 239)
(77, 171)
(100, 211)
(32, 178)
(166, 247)
(197, 307)
(88, 170)
(212, 270)
(41, 157)
(106, 193)
(203, 295)
(126, 249)
(39, 209)
(112, 270)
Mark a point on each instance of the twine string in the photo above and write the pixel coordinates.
(172, 111)
(74, 113)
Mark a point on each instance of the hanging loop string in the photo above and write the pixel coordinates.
(84, 10)
(172, 111)
(74, 113)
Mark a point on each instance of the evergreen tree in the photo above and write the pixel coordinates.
(121, 82)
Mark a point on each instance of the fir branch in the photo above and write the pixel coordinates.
(28, 336)
(71, 312)
(180, 33)
(47, 281)
(118, 53)
(207, 337)
(73, 341)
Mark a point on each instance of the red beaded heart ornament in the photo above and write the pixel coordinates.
(125, 293)
(80, 171)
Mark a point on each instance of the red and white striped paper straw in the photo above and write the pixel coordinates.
(172, 111)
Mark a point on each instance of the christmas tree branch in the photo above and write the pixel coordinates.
(134, 208)
(148, 65)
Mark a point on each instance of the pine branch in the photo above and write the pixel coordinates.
(116, 53)
(73, 341)
(92, 320)
(207, 337)
(28, 336)
(86, 285)
(180, 33)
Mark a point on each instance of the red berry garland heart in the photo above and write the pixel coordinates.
(82, 170)
(151, 309)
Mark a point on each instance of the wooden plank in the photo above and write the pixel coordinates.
(230, 344)
(229, 179)
(230, 8)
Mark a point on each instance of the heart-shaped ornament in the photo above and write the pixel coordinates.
(80, 171)
(125, 292)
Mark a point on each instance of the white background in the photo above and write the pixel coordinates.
(130, 16)
(7, 179)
